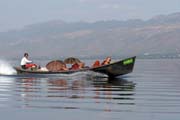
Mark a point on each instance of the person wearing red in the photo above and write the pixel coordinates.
(26, 63)
(77, 66)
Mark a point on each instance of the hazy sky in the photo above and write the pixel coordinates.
(17, 13)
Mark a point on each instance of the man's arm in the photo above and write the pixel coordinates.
(28, 61)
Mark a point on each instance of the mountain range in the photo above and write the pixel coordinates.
(158, 35)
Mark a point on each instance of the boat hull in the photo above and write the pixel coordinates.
(118, 68)
(115, 69)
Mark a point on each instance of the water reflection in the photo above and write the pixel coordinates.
(75, 93)
(153, 94)
(6, 86)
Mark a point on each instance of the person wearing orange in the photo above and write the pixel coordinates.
(96, 63)
(26, 63)
(106, 61)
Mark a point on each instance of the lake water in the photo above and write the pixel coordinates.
(151, 92)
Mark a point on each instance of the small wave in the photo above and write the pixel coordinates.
(76, 75)
(6, 68)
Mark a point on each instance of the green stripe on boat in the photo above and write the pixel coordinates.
(128, 61)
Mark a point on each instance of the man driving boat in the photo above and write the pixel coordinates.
(26, 63)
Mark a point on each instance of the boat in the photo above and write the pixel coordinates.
(115, 69)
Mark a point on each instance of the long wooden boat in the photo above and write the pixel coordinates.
(114, 69)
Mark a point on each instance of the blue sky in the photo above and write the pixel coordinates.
(17, 13)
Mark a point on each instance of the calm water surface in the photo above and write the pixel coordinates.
(151, 92)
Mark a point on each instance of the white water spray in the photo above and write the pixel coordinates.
(6, 68)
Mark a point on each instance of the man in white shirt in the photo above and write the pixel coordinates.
(25, 63)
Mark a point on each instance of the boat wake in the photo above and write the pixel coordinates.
(6, 68)
(8, 71)
(76, 75)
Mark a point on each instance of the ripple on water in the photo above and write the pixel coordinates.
(152, 88)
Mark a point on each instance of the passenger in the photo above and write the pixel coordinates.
(26, 63)
(77, 66)
(106, 61)
(96, 63)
